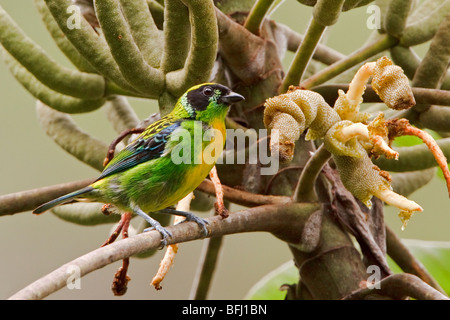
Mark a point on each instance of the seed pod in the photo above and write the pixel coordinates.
(391, 85)
(289, 114)
(364, 180)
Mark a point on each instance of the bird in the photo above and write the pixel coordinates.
(166, 161)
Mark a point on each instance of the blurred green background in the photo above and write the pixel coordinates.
(32, 246)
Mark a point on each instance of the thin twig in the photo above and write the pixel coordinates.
(305, 186)
(169, 257)
(242, 197)
(207, 265)
(219, 205)
(257, 15)
(400, 286)
(434, 148)
(353, 59)
(303, 55)
(406, 260)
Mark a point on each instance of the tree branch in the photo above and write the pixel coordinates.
(305, 187)
(383, 43)
(400, 286)
(406, 260)
(63, 44)
(30, 199)
(256, 16)
(271, 218)
(303, 55)
(322, 53)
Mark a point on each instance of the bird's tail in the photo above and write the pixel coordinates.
(61, 200)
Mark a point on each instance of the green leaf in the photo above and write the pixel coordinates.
(406, 141)
(435, 256)
(268, 287)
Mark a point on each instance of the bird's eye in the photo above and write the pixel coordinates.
(208, 91)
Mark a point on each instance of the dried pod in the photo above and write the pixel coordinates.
(391, 85)
(286, 120)
(364, 180)
(379, 139)
(289, 114)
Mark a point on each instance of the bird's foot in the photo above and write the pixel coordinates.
(165, 234)
(201, 222)
(190, 217)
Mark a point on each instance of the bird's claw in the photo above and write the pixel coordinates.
(201, 222)
(165, 234)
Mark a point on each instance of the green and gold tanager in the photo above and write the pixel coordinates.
(166, 162)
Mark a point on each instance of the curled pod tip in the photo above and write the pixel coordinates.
(349, 109)
(341, 143)
(392, 85)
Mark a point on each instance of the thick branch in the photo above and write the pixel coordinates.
(177, 31)
(63, 44)
(29, 200)
(270, 218)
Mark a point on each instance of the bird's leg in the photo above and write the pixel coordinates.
(155, 225)
(189, 217)
(124, 222)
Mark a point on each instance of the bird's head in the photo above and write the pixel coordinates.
(208, 101)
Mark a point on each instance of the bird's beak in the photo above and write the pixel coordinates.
(232, 97)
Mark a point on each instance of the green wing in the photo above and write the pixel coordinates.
(148, 146)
